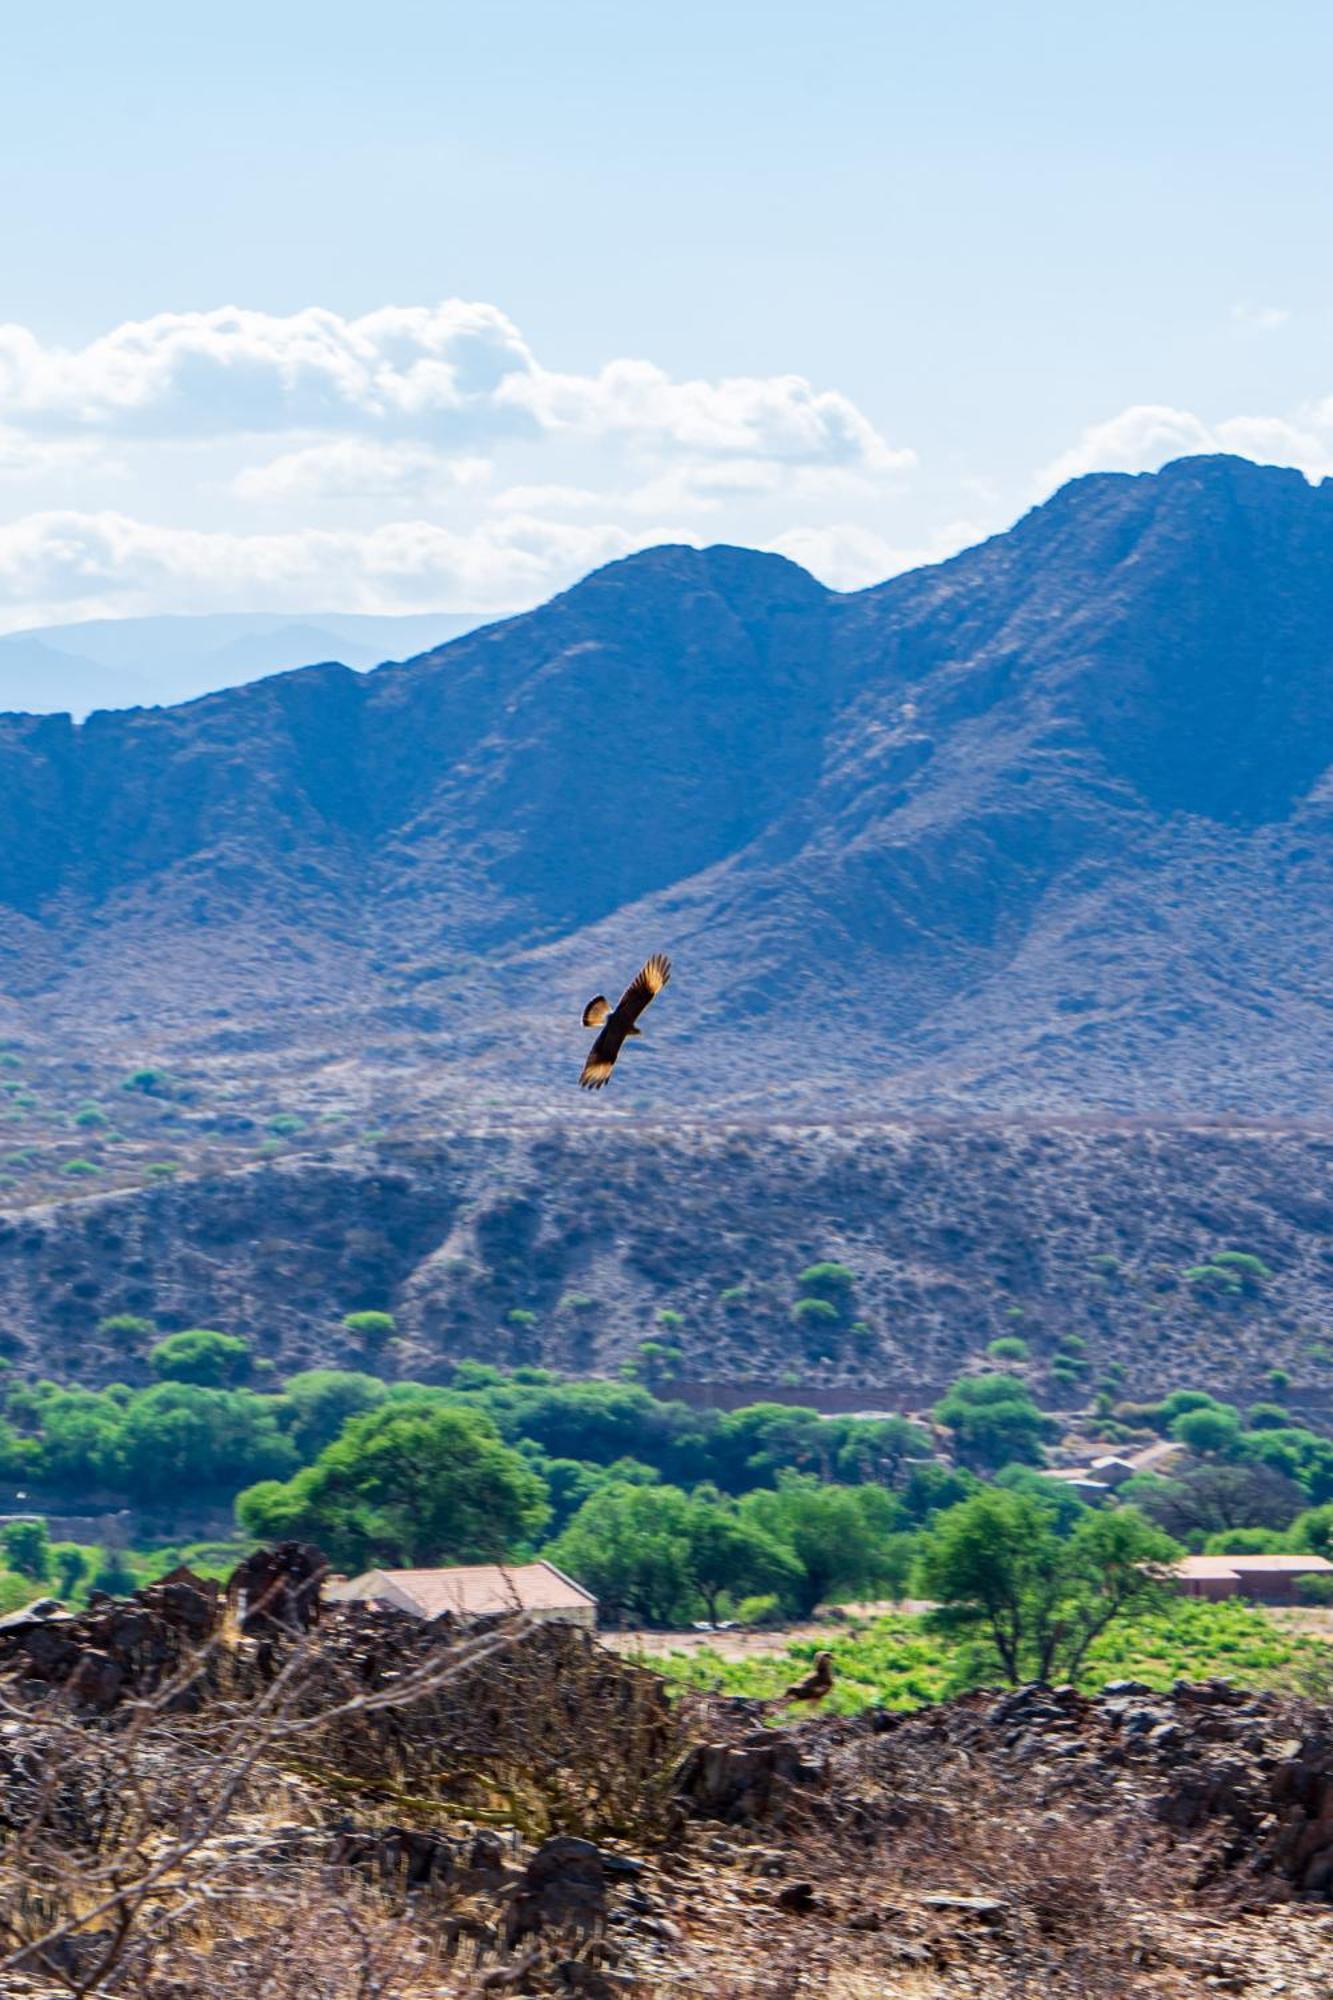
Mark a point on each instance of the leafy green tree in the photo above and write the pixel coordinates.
(1215, 1498)
(27, 1549)
(878, 1448)
(994, 1422)
(1313, 1530)
(19, 1456)
(409, 1483)
(319, 1402)
(202, 1356)
(1056, 1495)
(175, 1438)
(1297, 1454)
(1208, 1433)
(848, 1540)
(752, 1445)
(729, 1555)
(1008, 1348)
(630, 1546)
(999, 1570)
(71, 1566)
(928, 1489)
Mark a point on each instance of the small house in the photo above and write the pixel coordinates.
(479, 1590)
(1263, 1578)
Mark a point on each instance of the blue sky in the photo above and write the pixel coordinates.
(856, 281)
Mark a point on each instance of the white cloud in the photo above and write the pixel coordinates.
(66, 564)
(358, 469)
(457, 373)
(848, 556)
(1148, 435)
(1139, 440)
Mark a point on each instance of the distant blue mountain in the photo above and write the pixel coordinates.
(125, 662)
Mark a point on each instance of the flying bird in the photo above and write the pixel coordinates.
(618, 1023)
(816, 1685)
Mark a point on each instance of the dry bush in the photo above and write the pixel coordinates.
(126, 1839)
(563, 1737)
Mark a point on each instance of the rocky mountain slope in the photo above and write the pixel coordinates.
(564, 1247)
(1041, 828)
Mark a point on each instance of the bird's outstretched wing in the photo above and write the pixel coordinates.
(596, 1011)
(602, 1057)
(643, 988)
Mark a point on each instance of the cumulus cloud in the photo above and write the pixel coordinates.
(1148, 435)
(457, 372)
(1140, 439)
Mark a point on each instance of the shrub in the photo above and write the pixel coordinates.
(285, 1125)
(147, 1082)
(1315, 1589)
(127, 1329)
(815, 1312)
(80, 1169)
(372, 1329)
(1008, 1348)
(113, 1573)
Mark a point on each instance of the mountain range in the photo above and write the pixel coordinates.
(123, 662)
(1042, 829)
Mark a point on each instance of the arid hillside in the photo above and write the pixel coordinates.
(564, 1247)
(1041, 828)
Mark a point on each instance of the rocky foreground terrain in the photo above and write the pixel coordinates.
(290, 1805)
(563, 1247)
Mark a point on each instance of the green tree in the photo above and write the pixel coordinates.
(1208, 1433)
(175, 1438)
(1215, 1498)
(999, 1570)
(71, 1566)
(848, 1540)
(410, 1483)
(630, 1546)
(1313, 1530)
(730, 1555)
(319, 1402)
(202, 1356)
(27, 1549)
(1297, 1454)
(994, 1422)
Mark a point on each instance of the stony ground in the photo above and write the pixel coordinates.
(380, 1812)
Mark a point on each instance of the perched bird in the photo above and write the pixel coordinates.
(816, 1685)
(619, 1022)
